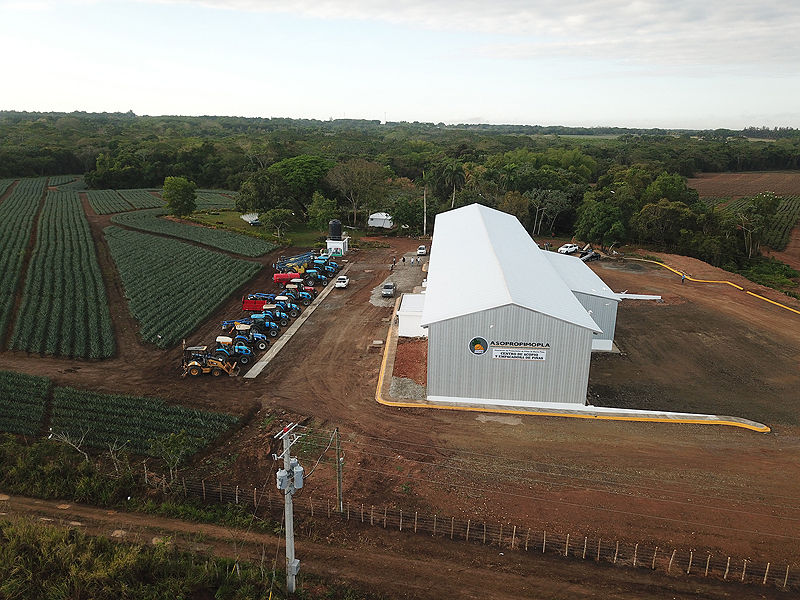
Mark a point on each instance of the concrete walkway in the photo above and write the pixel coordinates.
(275, 348)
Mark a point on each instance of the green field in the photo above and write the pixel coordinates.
(22, 402)
(132, 420)
(172, 286)
(17, 216)
(150, 221)
(64, 308)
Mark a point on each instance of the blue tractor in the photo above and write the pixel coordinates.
(246, 334)
(227, 350)
(264, 323)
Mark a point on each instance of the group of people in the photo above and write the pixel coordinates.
(413, 258)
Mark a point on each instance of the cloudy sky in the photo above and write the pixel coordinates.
(644, 63)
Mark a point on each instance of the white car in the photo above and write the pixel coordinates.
(568, 248)
(341, 281)
(422, 251)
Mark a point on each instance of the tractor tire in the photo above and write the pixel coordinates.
(244, 359)
(294, 313)
(262, 345)
(310, 281)
(221, 357)
(284, 322)
(216, 372)
(194, 371)
(324, 282)
(306, 301)
(273, 333)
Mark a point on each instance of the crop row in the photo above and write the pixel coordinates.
(22, 402)
(78, 185)
(779, 230)
(106, 202)
(149, 220)
(64, 307)
(62, 179)
(172, 286)
(206, 200)
(17, 215)
(4, 185)
(132, 420)
(141, 199)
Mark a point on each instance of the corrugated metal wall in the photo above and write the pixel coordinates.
(603, 312)
(454, 371)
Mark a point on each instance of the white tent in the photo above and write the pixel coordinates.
(380, 219)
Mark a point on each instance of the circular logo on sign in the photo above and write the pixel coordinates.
(478, 345)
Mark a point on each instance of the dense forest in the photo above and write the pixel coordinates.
(606, 185)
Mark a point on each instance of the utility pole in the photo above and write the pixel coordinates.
(424, 205)
(289, 479)
(339, 462)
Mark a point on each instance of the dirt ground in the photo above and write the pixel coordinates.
(707, 347)
(737, 185)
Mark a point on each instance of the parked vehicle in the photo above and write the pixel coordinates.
(244, 333)
(226, 350)
(285, 304)
(342, 281)
(197, 360)
(388, 289)
(590, 256)
(422, 251)
(299, 295)
(265, 323)
(568, 248)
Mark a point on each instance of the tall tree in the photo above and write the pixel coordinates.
(357, 180)
(453, 176)
(180, 196)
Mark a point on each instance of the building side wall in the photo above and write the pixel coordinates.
(455, 371)
(603, 312)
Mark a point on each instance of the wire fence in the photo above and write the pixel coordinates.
(504, 535)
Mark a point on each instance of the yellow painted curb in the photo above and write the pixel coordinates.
(382, 377)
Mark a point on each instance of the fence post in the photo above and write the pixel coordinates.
(466, 537)
(727, 568)
(635, 552)
(744, 569)
(585, 541)
(329, 509)
(598, 549)
(255, 502)
(785, 579)
(670, 561)
(766, 572)
(708, 561)
(371, 512)
(434, 525)
(653, 566)
(220, 490)
(484, 533)
(452, 526)
(385, 512)
(416, 513)
(311, 501)
(566, 546)
(237, 494)
(513, 536)
(401, 519)
(527, 537)
(616, 552)
(203, 481)
(500, 535)
(144, 465)
(362, 512)
(544, 541)
(348, 511)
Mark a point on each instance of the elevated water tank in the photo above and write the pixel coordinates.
(335, 230)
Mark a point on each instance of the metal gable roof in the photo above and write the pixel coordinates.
(482, 258)
(578, 276)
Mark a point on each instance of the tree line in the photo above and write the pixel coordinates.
(608, 186)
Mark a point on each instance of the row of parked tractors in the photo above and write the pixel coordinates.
(269, 314)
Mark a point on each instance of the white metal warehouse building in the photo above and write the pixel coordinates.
(504, 329)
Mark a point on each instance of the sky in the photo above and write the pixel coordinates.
(675, 64)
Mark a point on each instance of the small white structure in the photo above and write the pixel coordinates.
(409, 316)
(337, 247)
(380, 219)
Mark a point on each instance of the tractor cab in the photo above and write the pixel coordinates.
(197, 360)
(287, 305)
